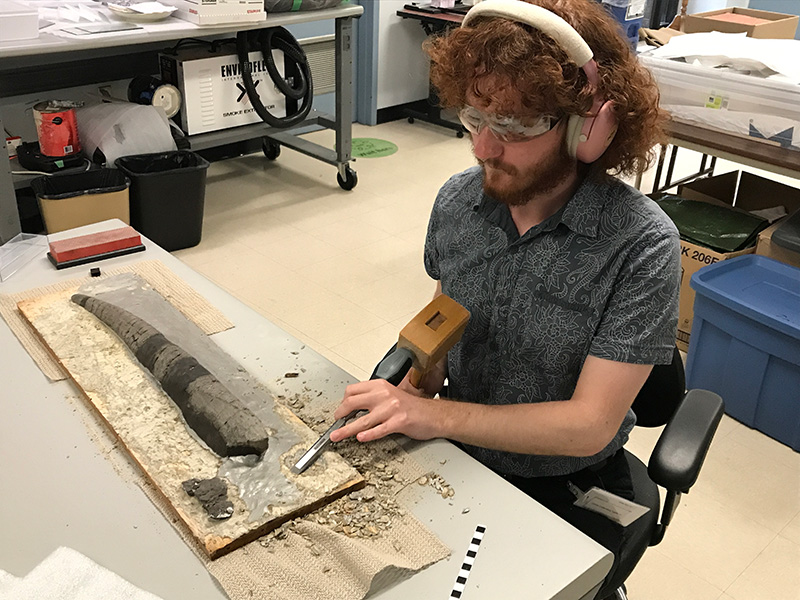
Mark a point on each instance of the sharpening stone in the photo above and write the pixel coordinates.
(96, 246)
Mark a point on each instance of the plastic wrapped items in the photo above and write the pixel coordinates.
(295, 5)
(109, 131)
(745, 104)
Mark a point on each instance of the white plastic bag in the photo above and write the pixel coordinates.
(122, 129)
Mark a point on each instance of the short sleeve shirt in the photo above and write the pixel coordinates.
(600, 278)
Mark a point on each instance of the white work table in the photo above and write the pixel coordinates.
(36, 51)
(59, 489)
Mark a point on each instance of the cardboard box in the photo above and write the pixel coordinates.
(739, 191)
(766, 247)
(66, 213)
(755, 23)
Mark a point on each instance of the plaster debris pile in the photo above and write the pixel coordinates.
(438, 483)
(371, 511)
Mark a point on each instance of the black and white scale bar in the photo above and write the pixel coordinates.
(469, 560)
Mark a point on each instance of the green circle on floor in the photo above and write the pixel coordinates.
(372, 148)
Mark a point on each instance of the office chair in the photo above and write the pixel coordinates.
(691, 420)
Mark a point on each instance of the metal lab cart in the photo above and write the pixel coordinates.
(51, 62)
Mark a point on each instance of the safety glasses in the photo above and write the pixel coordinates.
(506, 129)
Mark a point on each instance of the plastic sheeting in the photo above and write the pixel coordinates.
(109, 131)
(712, 226)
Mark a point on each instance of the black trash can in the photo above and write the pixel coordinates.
(167, 195)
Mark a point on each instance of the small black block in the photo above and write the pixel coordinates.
(95, 272)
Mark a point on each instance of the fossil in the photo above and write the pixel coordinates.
(212, 494)
(217, 416)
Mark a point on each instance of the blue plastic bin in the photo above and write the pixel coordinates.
(629, 14)
(745, 343)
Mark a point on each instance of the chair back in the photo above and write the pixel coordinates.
(661, 393)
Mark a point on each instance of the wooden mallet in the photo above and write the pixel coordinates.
(432, 333)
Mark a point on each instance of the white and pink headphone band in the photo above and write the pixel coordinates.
(548, 22)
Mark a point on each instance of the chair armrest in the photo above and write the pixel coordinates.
(682, 447)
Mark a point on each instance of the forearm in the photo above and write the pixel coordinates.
(580, 426)
(568, 428)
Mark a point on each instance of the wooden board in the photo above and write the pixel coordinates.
(151, 428)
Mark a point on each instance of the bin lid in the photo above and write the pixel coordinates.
(758, 287)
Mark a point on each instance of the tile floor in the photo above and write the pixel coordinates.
(343, 272)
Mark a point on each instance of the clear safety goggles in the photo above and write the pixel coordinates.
(506, 129)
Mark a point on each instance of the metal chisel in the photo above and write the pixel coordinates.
(392, 368)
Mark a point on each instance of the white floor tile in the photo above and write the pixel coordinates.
(658, 577)
(792, 531)
(774, 575)
(342, 273)
(349, 234)
(749, 483)
(367, 349)
(334, 321)
(711, 542)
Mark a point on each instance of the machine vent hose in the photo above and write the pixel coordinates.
(301, 87)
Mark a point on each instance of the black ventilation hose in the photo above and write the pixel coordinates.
(301, 88)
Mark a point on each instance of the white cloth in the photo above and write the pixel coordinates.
(69, 575)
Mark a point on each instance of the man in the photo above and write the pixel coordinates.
(571, 277)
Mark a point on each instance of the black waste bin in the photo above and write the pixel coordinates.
(167, 195)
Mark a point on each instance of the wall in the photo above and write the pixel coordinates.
(402, 66)
(781, 6)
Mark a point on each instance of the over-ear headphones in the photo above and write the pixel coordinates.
(587, 137)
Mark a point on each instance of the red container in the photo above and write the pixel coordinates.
(57, 129)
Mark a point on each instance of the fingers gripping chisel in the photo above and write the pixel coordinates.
(392, 368)
(423, 342)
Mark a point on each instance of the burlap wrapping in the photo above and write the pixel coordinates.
(306, 559)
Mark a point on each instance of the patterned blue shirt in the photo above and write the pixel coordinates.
(599, 277)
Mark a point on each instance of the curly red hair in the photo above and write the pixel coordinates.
(549, 82)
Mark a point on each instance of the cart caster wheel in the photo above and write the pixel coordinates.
(459, 134)
(350, 181)
(411, 120)
(271, 150)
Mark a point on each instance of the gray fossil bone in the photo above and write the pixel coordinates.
(209, 408)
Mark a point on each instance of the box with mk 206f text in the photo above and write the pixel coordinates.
(738, 191)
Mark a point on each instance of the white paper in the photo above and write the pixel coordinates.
(610, 505)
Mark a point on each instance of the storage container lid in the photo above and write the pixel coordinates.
(758, 287)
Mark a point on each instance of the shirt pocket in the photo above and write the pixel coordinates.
(554, 332)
